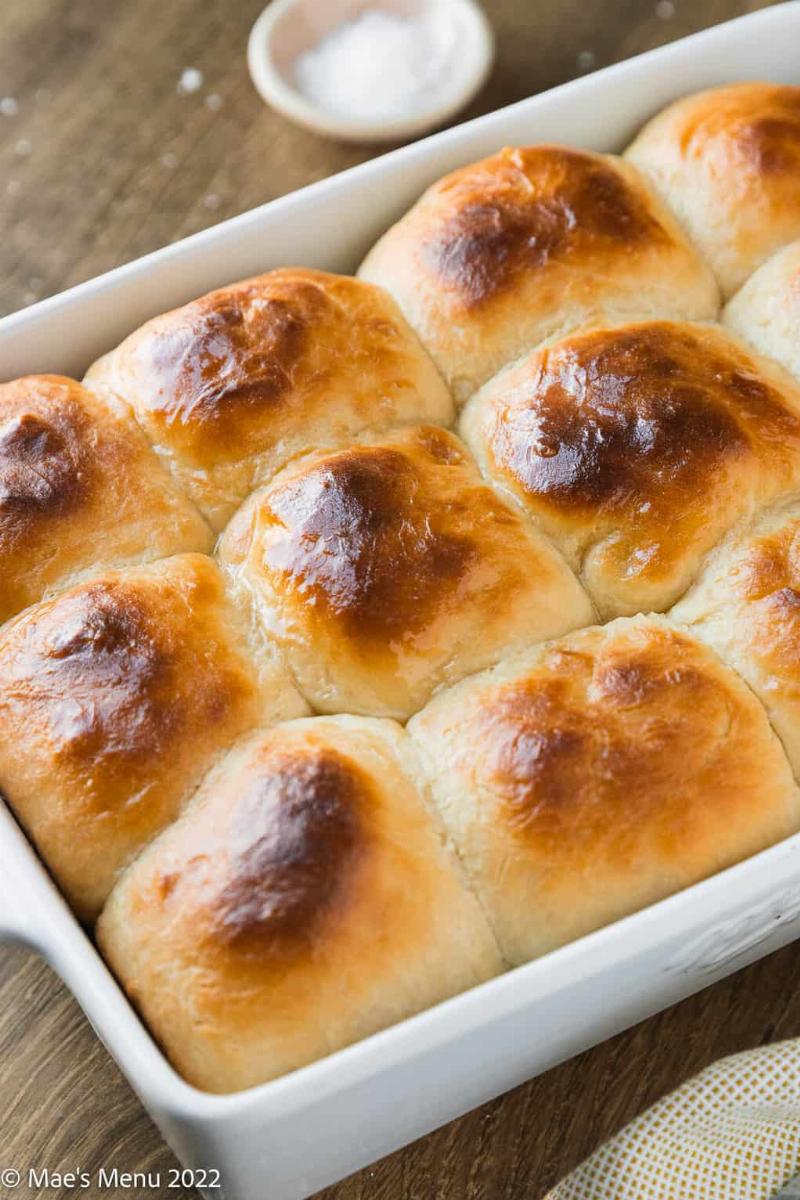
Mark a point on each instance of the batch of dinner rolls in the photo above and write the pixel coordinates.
(364, 637)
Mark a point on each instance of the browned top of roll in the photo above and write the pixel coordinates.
(567, 740)
(217, 366)
(44, 448)
(113, 697)
(286, 852)
(101, 667)
(638, 446)
(393, 559)
(522, 209)
(359, 534)
(752, 127)
(266, 367)
(601, 773)
(78, 488)
(303, 900)
(728, 160)
(618, 743)
(532, 242)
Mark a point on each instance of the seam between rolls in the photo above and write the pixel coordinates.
(423, 779)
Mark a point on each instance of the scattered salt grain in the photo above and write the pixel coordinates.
(14, 187)
(379, 65)
(169, 160)
(23, 148)
(190, 81)
(214, 102)
(665, 10)
(586, 60)
(212, 200)
(9, 106)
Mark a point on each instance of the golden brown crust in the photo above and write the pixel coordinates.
(232, 385)
(389, 566)
(727, 160)
(78, 487)
(747, 606)
(304, 896)
(523, 208)
(288, 860)
(397, 556)
(303, 900)
(532, 242)
(597, 775)
(114, 699)
(637, 447)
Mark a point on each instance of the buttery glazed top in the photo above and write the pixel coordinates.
(607, 740)
(231, 385)
(530, 242)
(114, 699)
(620, 742)
(303, 900)
(392, 558)
(273, 857)
(524, 208)
(78, 484)
(752, 127)
(728, 161)
(357, 535)
(636, 447)
(602, 772)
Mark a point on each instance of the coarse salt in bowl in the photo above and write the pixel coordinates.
(370, 70)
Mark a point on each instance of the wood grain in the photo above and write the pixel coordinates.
(103, 161)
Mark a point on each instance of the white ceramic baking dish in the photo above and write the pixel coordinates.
(286, 1139)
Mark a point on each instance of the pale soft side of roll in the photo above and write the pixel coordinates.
(596, 775)
(388, 568)
(304, 901)
(746, 605)
(727, 162)
(528, 245)
(115, 697)
(637, 447)
(230, 387)
(80, 489)
(766, 311)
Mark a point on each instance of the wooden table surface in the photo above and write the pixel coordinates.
(103, 158)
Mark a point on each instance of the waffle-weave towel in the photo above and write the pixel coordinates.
(731, 1133)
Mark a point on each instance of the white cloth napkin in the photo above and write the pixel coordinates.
(731, 1133)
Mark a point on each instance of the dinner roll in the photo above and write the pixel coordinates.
(767, 309)
(230, 387)
(79, 486)
(746, 605)
(727, 161)
(636, 448)
(389, 567)
(530, 244)
(595, 775)
(304, 901)
(115, 698)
